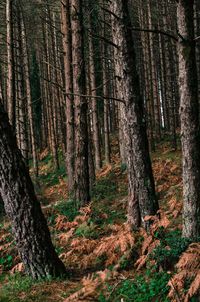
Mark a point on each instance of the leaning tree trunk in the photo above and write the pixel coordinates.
(28, 223)
(189, 119)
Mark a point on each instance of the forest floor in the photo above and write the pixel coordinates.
(108, 261)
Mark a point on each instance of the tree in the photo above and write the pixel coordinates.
(11, 101)
(81, 185)
(29, 226)
(142, 197)
(67, 47)
(189, 115)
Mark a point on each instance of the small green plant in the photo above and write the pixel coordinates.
(104, 188)
(68, 208)
(87, 230)
(152, 287)
(171, 246)
(7, 261)
(15, 285)
(123, 167)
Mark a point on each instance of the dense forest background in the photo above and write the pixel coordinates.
(99, 150)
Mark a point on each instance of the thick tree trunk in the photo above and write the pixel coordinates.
(29, 226)
(142, 197)
(189, 119)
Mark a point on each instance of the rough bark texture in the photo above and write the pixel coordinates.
(142, 197)
(29, 226)
(189, 120)
(81, 186)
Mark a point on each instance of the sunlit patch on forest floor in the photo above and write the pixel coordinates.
(107, 261)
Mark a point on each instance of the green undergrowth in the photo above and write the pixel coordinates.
(108, 187)
(15, 287)
(67, 208)
(18, 287)
(171, 246)
(148, 287)
(150, 284)
(105, 188)
(50, 176)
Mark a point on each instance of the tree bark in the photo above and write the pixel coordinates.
(81, 185)
(29, 226)
(67, 47)
(142, 197)
(11, 100)
(28, 96)
(189, 109)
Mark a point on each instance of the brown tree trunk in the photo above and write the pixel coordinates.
(29, 226)
(142, 197)
(11, 101)
(95, 122)
(28, 97)
(67, 47)
(81, 186)
(189, 119)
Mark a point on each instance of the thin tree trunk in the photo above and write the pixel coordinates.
(95, 122)
(29, 98)
(11, 100)
(82, 184)
(67, 46)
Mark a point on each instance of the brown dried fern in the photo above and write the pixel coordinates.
(188, 270)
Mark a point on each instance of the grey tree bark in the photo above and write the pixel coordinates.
(29, 226)
(142, 197)
(189, 116)
(81, 184)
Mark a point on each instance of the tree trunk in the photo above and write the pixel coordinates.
(81, 186)
(95, 121)
(67, 47)
(142, 197)
(29, 226)
(189, 119)
(29, 98)
(11, 101)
